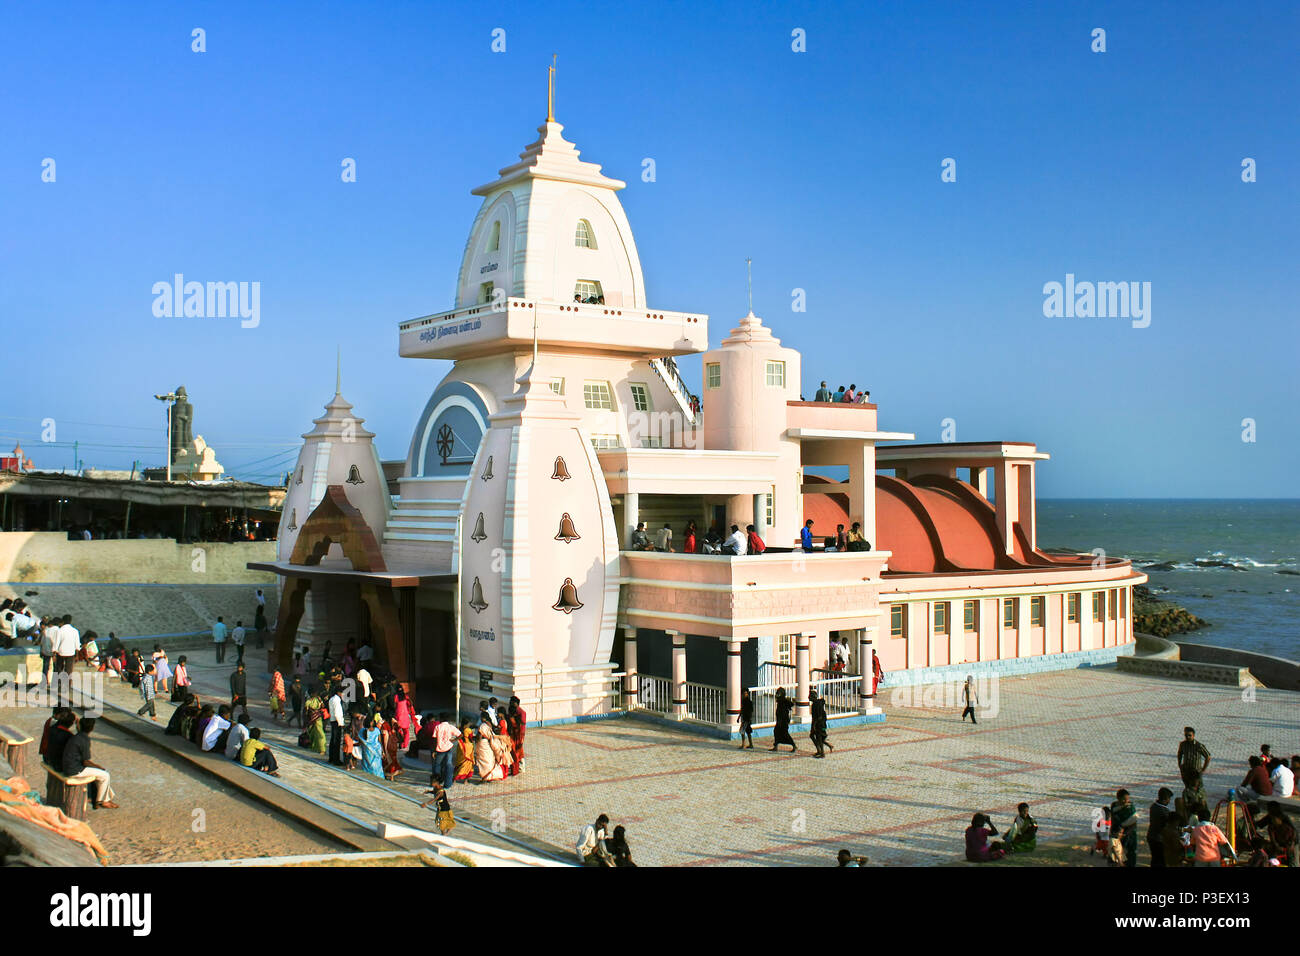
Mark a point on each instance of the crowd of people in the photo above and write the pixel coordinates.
(736, 542)
(845, 396)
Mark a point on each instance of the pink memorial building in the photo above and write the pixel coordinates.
(497, 559)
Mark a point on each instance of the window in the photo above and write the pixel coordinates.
(596, 395)
(1114, 603)
(897, 621)
(1009, 612)
(640, 397)
(769, 509)
(557, 386)
(485, 292)
(941, 617)
(494, 242)
(1098, 605)
(583, 237)
(1123, 603)
(971, 615)
(776, 374)
(1072, 608)
(783, 649)
(713, 375)
(588, 290)
(605, 441)
(1036, 611)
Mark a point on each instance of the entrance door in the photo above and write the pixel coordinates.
(435, 663)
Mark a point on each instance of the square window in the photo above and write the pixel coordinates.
(588, 290)
(557, 386)
(769, 509)
(1072, 608)
(597, 395)
(971, 615)
(783, 649)
(1037, 610)
(640, 397)
(941, 617)
(776, 374)
(605, 441)
(1009, 612)
(1098, 605)
(713, 375)
(897, 621)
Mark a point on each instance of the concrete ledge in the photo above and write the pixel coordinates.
(1156, 648)
(1272, 671)
(1006, 667)
(1188, 670)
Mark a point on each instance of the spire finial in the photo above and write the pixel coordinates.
(550, 90)
(338, 371)
(749, 282)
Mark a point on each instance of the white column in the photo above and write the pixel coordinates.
(760, 515)
(679, 673)
(1024, 632)
(631, 517)
(733, 682)
(1004, 478)
(866, 656)
(631, 683)
(803, 709)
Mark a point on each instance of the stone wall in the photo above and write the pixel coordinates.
(49, 557)
(1188, 670)
(1270, 671)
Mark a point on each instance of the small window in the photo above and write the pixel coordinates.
(485, 292)
(606, 441)
(941, 617)
(776, 374)
(583, 237)
(769, 509)
(588, 291)
(640, 397)
(970, 615)
(713, 375)
(1009, 612)
(897, 621)
(1036, 611)
(557, 386)
(1072, 608)
(1098, 605)
(783, 649)
(596, 395)
(494, 241)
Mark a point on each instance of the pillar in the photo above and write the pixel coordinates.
(1007, 505)
(980, 479)
(733, 682)
(631, 516)
(760, 515)
(866, 656)
(862, 490)
(679, 673)
(803, 709)
(631, 683)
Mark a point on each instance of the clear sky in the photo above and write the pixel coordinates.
(823, 165)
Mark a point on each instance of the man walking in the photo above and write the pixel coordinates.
(444, 747)
(239, 689)
(219, 640)
(818, 735)
(1193, 756)
(237, 636)
(147, 683)
(49, 637)
(335, 707)
(69, 642)
(971, 698)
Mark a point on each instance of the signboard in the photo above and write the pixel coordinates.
(485, 681)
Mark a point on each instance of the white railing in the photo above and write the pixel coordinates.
(666, 369)
(764, 699)
(841, 694)
(776, 672)
(655, 693)
(707, 703)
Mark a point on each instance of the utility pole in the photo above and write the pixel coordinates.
(170, 399)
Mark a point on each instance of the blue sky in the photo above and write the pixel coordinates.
(824, 166)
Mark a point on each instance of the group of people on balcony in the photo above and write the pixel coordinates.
(851, 540)
(737, 542)
(588, 300)
(844, 396)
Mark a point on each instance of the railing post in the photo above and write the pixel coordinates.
(733, 682)
(631, 684)
(803, 710)
(679, 674)
(866, 663)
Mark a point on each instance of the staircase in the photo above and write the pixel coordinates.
(666, 369)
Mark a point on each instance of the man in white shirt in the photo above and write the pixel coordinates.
(237, 637)
(665, 542)
(365, 680)
(335, 706)
(366, 653)
(591, 843)
(219, 639)
(261, 598)
(49, 638)
(737, 542)
(1283, 779)
(215, 726)
(238, 734)
(66, 646)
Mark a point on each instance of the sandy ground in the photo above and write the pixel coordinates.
(170, 812)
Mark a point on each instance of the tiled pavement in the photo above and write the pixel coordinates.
(901, 792)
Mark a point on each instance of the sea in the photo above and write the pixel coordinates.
(1235, 563)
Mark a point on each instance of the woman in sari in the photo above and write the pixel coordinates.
(465, 751)
(487, 748)
(313, 712)
(372, 760)
(390, 741)
(518, 725)
(781, 732)
(405, 717)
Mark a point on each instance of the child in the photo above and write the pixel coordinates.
(349, 751)
(442, 806)
(163, 668)
(1101, 832)
(277, 696)
(147, 692)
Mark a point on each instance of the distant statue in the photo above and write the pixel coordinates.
(182, 414)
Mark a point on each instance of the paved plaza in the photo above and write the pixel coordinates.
(901, 792)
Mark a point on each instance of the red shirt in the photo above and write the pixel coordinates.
(756, 545)
(1257, 779)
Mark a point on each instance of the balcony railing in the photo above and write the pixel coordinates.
(666, 369)
(706, 703)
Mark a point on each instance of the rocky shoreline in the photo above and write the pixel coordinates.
(1152, 615)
